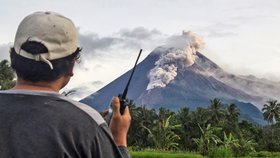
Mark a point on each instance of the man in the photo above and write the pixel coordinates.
(35, 120)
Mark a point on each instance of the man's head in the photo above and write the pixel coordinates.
(45, 47)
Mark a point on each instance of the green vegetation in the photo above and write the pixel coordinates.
(214, 131)
(220, 152)
(6, 75)
(160, 154)
(162, 135)
(265, 154)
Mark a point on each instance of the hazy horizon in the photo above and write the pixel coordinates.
(240, 36)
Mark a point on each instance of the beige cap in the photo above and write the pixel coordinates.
(56, 32)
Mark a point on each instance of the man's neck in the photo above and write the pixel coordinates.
(54, 86)
(35, 88)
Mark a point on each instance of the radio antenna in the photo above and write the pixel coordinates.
(126, 88)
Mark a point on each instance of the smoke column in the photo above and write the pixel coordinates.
(181, 56)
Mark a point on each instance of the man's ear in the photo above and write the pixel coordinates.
(71, 68)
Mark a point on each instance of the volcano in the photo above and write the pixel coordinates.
(177, 75)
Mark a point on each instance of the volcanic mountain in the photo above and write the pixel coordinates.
(176, 75)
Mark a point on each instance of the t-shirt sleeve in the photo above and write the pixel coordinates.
(100, 142)
(124, 151)
(105, 147)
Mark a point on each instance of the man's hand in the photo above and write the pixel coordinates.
(120, 123)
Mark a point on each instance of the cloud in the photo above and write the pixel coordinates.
(215, 33)
(110, 54)
(249, 18)
(139, 33)
(92, 43)
(218, 29)
(98, 47)
(95, 46)
(117, 45)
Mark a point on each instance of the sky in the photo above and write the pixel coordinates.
(241, 36)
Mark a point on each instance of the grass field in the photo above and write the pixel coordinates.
(265, 154)
(164, 154)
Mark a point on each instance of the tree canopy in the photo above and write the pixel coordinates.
(7, 75)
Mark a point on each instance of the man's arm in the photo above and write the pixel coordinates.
(119, 126)
(120, 123)
(105, 146)
(97, 139)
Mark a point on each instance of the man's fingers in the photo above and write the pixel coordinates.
(126, 111)
(115, 105)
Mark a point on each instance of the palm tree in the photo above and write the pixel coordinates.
(164, 113)
(138, 136)
(216, 109)
(232, 116)
(233, 112)
(201, 116)
(183, 118)
(271, 111)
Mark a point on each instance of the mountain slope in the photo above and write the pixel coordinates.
(190, 88)
(179, 76)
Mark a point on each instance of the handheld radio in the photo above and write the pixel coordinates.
(122, 97)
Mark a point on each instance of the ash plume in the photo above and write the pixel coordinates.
(181, 55)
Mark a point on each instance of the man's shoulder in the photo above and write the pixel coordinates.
(88, 110)
(52, 103)
(58, 121)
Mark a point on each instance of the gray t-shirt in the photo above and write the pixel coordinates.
(49, 125)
